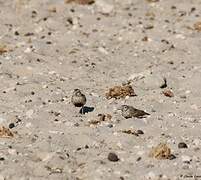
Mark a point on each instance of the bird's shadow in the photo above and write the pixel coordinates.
(86, 109)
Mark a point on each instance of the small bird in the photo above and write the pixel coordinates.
(130, 111)
(78, 99)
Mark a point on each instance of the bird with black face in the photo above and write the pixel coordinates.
(130, 111)
(78, 99)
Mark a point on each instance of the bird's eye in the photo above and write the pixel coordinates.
(78, 93)
(125, 108)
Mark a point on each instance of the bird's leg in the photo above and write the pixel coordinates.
(82, 110)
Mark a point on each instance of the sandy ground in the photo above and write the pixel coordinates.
(54, 48)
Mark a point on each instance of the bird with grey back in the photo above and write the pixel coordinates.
(130, 111)
(78, 99)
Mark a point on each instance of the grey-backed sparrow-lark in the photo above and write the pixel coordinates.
(78, 99)
(130, 111)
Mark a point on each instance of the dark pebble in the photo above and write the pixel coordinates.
(138, 159)
(110, 125)
(17, 33)
(113, 157)
(2, 158)
(171, 157)
(11, 125)
(164, 85)
(76, 124)
(78, 149)
(182, 145)
(48, 42)
(139, 132)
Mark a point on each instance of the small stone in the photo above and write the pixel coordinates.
(78, 149)
(182, 145)
(110, 125)
(183, 96)
(11, 125)
(164, 85)
(16, 33)
(139, 131)
(149, 26)
(172, 156)
(82, 2)
(2, 158)
(77, 124)
(138, 159)
(113, 157)
(151, 1)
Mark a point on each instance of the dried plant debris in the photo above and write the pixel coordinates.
(52, 9)
(100, 118)
(83, 2)
(161, 151)
(197, 26)
(168, 93)
(130, 131)
(5, 133)
(120, 92)
(3, 49)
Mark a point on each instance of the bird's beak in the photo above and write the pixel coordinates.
(119, 108)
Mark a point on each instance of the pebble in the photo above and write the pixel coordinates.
(113, 157)
(182, 145)
(183, 96)
(172, 156)
(2, 158)
(11, 125)
(110, 125)
(139, 131)
(138, 159)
